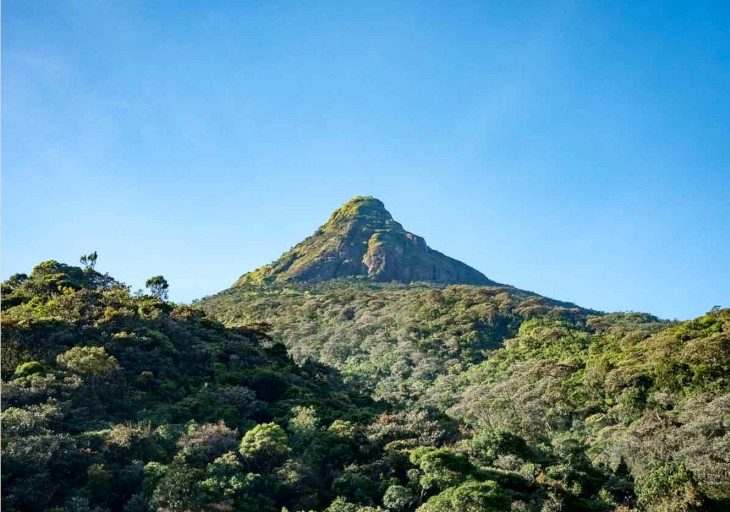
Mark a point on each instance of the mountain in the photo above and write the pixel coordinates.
(607, 411)
(361, 239)
(362, 286)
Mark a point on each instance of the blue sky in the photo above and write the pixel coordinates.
(577, 149)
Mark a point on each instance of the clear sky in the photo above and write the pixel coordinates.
(577, 149)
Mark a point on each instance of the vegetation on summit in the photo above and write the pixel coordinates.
(361, 239)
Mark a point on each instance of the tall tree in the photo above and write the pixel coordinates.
(89, 261)
(158, 287)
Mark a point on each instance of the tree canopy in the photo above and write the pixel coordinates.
(354, 397)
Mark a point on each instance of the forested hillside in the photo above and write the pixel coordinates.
(632, 409)
(394, 340)
(113, 401)
(398, 398)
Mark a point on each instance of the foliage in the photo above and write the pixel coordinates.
(395, 340)
(93, 362)
(397, 397)
(581, 403)
(265, 445)
(158, 287)
(470, 496)
(121, 402)
(89, 261)
(669, 487)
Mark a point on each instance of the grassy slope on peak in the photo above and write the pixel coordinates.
(344, 224)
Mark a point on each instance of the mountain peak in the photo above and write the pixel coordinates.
(362, 209)
(361, 239)
(359, 205)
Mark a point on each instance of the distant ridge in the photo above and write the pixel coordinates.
(362, 240)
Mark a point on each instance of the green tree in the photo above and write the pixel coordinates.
(89, 261)
(265, 446)
(441, 468)
(98, 480)
(29, 368)
(398, 497)
(138, 503)
(489, 444)
(669, 488)
(304, 426)
(471, 496)
(91, 362)
(340, 504)
(179, 490)
(227, 484)
(158, 287)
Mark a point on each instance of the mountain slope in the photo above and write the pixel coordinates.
(393, 339)
(498, 399)
(116, 402)
(631, 410)
(623, 410)
(361, 239)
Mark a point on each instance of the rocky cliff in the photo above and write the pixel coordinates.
(361, 239)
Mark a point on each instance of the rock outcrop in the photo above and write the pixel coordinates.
(361, 239)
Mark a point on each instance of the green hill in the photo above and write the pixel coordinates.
(632, 410)
(114, 401)
(600, 411)
(394, 340)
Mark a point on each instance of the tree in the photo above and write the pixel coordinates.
(265, 446)
(304, 426)
(29, 368)
(158, 287)
(669, 488)
(397, 497)
(91, 362)
(138, 503)
(201, 444)
(17, 279)
(487, 445)
(340, 504)
(227, 484)
(179, 489)
(472, 496)
(441, 468)
(89, 261)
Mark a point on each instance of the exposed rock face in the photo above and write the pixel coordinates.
(361, 239)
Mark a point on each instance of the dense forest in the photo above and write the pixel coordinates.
(389, 397)
(634, 409)
(394, 340)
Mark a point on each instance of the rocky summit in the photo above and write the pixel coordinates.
(361, 239)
